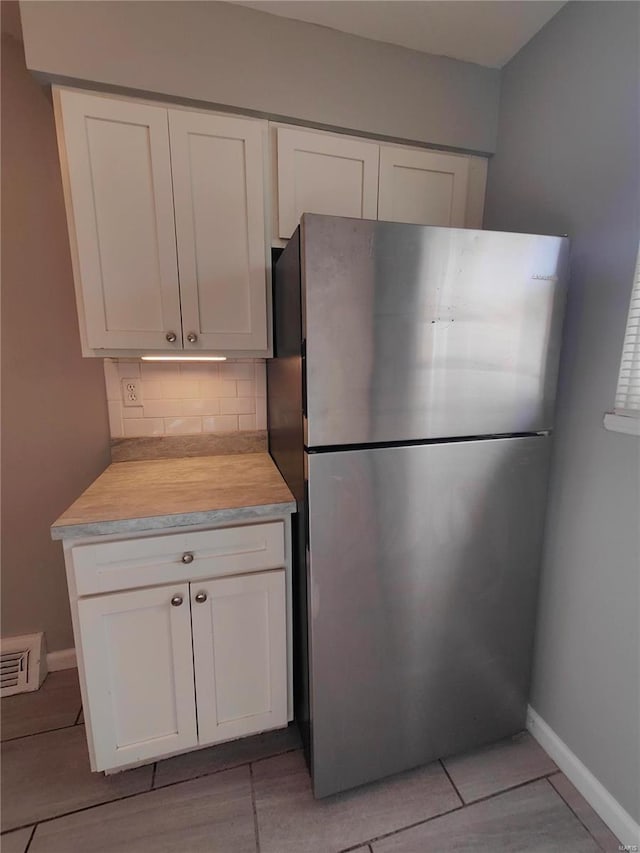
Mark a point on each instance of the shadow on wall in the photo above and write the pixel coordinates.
(55, 437)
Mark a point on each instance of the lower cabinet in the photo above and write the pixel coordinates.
(168, 668)
(239, 655)
(139, 673)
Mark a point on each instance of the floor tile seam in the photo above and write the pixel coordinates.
(153, 776)
(459, 808)
(368, 842)
(576, 815)
(131, 796)
(219, 770)
(43, 732)
(33, 832)
(510, 788)
(78, 715)
(88, 808)
(276, 755)
(254, 809)
(453, 784)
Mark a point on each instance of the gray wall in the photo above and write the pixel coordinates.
(567, 161)
(55, 437)
(229, 55)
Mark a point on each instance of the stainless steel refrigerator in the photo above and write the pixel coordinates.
(411, 401)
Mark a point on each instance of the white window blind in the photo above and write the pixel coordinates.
(628, 390)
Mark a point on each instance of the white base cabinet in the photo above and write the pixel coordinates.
(239, 655)
(189, 662)
(139, 673)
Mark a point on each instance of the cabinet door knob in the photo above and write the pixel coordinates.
(192, 337)
(201, 597)
(187, 557)
(176, 601)
(171, 337)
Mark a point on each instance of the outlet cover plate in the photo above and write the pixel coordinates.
(131, 392)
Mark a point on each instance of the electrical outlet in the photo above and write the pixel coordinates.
(131, 392)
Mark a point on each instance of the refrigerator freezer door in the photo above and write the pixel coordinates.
(423, 575)
(415, 332)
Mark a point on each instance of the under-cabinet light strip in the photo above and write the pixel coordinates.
(183, 357)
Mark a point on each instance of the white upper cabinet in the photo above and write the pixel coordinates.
(324, 173)
(120, 208)
(218, 184)
(478, 167)
(422, 187)
(167, 215)
(321, 172)
(167, 222)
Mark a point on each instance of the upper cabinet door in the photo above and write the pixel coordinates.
(218, 184)
(422, 187)
(323, 173)
(120, 208)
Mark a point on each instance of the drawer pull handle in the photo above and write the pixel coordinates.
(201, 597)
(187, 557)
(176, 601)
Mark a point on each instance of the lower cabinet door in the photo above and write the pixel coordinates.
(239, 652)
(139, 672)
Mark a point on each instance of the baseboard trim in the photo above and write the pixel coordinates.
(612, 813)
(63, 659)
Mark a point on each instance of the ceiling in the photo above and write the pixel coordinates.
(488, 33)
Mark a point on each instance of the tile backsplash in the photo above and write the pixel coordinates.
(178, 398)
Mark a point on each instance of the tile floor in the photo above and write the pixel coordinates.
(253, 796)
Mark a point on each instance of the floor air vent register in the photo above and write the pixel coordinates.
(22, 664)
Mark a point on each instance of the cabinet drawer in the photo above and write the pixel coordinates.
(131, 563)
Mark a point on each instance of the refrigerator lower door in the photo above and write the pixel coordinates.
(422, 581)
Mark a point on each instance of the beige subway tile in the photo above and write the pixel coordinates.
(143, 426)
(162, 408)
(220, 423)
(111, 379)
(128, 369)
(246, 422)
(198, 406)
(199, 370)
(129, 412)
(261, 379)
(182, 426)
(159, 371)
(151, 389)
(246, 388)
(236, 370)
(179, 389)
(208, 388)
(237, 405)
(261, 413)
(115, 419)
(227, 388)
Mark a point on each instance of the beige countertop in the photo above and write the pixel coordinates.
(157, 493)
